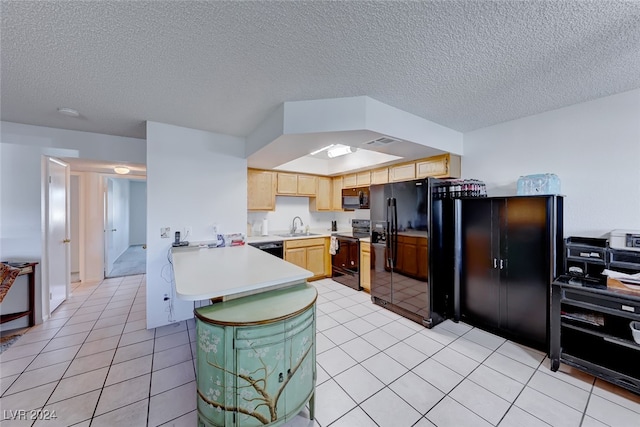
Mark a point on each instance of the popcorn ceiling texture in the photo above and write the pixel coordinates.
(225, 66)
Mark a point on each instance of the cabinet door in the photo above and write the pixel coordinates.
(214, 376)
(287, 183)
(261, 190)
(322, 201)
(380, 176)
(307, 185)
(349, 181)
(480, 280)
(336, 194)
(423, 259)
(526, 279)
(315, 260)
(433, 166)
(300, 361)
(365, 266)
(363, 179)
(402, 172)
(297, 256)
(261, 360)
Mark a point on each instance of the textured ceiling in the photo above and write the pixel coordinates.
(225, 66)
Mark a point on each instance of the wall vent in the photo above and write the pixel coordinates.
(380, 142)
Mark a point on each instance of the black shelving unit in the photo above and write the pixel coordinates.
(590, 330)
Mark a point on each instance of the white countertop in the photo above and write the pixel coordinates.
(230, 272)
(273, 237)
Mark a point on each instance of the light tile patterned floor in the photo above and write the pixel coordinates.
(94, 363)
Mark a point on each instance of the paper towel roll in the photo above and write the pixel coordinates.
(265, 227)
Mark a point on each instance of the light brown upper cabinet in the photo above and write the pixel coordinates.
(292, 184)
(363, 179)
(380, 176)
(336, 194)
(349, 181)
(307, 185)
(404, 172)
(261, 190)
(323, 200)
(443, 166)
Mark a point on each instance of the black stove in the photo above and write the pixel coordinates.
(345, 263)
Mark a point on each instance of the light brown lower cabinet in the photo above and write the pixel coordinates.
(365, 266)
(311, 254)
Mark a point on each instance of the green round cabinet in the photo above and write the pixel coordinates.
(256, 358)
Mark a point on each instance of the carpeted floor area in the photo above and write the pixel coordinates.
(132, 262)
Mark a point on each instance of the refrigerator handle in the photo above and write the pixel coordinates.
(395, 231)
(389, 220)
(495, 263)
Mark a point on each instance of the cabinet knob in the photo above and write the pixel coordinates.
(280, 377)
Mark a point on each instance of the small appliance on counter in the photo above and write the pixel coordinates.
(628, 240)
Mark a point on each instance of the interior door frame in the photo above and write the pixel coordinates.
(46, 259)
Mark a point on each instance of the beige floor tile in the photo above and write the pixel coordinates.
(53, 357)
(98, 346)
(547, 408)
(172, 377)
(448, 412)
(133, 351)
(79, 384)
(173, 340)
(71, 411)
(32, 398)
(480, 400)
(124, 393)
(136, 337)
(172, 404)
(80, 365)
(102, 333)
(130, 369)
(172, 356)
(20, 352)
(130, 415)
(38, 377)
(68, 341)
(15, 366)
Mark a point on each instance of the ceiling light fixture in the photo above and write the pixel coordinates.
(340, 151)
(313, 153)
(69, 112)
(121, 170)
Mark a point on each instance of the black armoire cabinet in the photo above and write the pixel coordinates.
(510, 252)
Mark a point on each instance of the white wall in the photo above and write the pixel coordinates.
(194, 179)
(594, 148)
(22, 148)
(137, 212)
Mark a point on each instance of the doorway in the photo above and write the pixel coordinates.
(125, 226)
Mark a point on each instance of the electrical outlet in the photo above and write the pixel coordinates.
(164, 232)
(188, 231)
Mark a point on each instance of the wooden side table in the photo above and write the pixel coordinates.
(28, 269)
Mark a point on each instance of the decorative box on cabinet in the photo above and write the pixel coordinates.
(590, 330)
(256, 358)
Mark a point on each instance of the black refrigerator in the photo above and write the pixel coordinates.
(412, 250)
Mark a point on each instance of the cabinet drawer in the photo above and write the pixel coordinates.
(629, 307)
(303, 243)
(259, 335)
(407, 240)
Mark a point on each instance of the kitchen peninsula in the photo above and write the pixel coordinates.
(256, 356)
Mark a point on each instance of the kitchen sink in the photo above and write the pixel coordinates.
(297, 234)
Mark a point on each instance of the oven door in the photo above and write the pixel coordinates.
(345, 264)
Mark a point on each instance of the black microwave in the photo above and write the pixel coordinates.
(355, 198)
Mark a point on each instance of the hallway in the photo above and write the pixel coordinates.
(133, 261)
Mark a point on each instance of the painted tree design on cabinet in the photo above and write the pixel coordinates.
(256, 375)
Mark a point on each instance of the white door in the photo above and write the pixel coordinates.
(58, 254)
(110, 254)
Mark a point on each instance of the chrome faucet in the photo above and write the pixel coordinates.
(293, 224)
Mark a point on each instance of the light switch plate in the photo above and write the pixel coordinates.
(164, 232)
